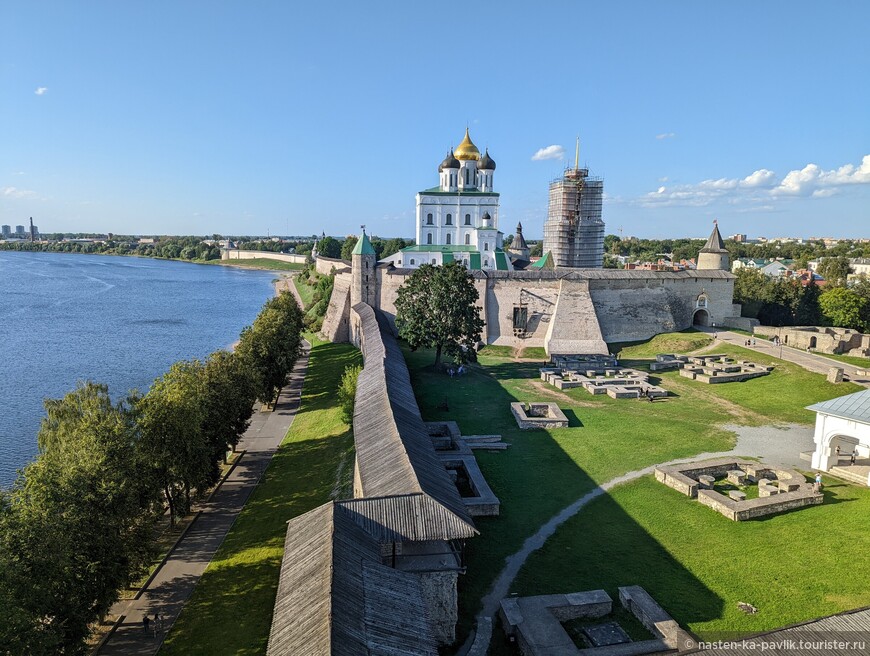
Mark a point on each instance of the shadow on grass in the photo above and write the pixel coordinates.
(535, 479)
(230, 611)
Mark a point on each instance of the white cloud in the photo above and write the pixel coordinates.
(665, 135)
(41, 91)
(761, 186)
(812, 178)
(15, 192)
(550, 152)
(760, 178)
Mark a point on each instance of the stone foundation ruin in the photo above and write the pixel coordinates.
(538, 415)
(711, 369)
(600, 375)
(535, 623)
(779, 488)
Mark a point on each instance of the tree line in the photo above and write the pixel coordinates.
(787, 302)
(79, 523)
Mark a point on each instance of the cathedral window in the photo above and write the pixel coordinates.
(433, 260)
(468, 219)
(485, 246)
(412, 261)
(429, 219)
(467, 239)
(449, 219)
(429, 238)
(448, 236)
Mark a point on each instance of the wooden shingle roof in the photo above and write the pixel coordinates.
(395, 455)
(336, 598)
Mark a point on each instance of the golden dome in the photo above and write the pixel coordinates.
(466, 150)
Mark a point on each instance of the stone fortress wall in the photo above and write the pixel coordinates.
(570, 310)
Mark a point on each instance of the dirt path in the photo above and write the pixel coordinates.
(753, 442)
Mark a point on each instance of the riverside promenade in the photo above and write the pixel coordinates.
(173, 583)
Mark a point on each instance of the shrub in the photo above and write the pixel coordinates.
(347, 392)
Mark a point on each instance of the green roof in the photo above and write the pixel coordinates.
(474, 261)
(363, 246)
(546, 262)
(501, 261)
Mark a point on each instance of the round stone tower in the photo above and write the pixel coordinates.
(714, 255)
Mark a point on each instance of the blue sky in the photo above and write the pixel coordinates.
(254, 117)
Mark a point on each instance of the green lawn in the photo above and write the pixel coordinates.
(261, 263)
(854, 360)
(230, 611)
(545, 470)
(306, 292)
(698, 564)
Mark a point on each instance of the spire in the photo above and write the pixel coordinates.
(715, 244)
(577, 154)
(519, 242)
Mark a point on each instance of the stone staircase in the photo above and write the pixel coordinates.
(854, 474)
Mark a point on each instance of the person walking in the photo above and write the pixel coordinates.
(853, 456)
(146, 621)
(156, 622)
(817, 486)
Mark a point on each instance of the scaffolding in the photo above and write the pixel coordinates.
(574, 230)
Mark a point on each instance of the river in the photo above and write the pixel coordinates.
(116, 320)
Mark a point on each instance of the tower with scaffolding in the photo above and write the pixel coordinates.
(574, 231)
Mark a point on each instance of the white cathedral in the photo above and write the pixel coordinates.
(457, 221)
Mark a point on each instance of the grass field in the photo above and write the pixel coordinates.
(544, 471)
(306, 292)
(230, 611)
(261, 263)
(697, 564)
(854, 360)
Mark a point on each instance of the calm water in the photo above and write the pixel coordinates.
(116, 320)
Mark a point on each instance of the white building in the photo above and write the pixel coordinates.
(843, 428)
(458, 219)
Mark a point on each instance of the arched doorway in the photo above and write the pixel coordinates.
(812, 342)
(701, 318)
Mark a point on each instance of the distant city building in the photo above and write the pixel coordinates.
(574, 230)
(771, 268)
(741, 238)
(6, 231)
(20, 231)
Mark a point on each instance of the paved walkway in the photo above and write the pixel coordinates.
(784, 447)
(810, 361)
(175, 580)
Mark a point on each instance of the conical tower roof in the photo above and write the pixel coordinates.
(363, 246)
(715, 244)
(519, 241)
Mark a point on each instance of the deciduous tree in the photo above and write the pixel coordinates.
(437, 308)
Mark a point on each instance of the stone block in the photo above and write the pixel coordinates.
(706, 482)
(767, 491)
(835, 375)
(737, 476)
(737, 495)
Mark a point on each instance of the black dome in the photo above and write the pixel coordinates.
(450, 162)
(486, 162)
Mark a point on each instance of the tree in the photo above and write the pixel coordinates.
(347, 391)
(751, 290)
(170, 418)
(835, 270)
(536, 249)
(347, 247)
(329, 247)
(843, 307)
(806, 312)
(271, 345)
(76, 526)
(392, 246)
(437, 308)
(230, 393)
